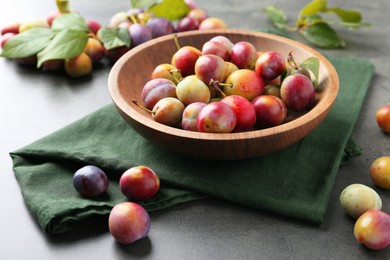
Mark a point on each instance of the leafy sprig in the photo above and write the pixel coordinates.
(169, 9)
(68, 35)
(65, 39)
(311, 24)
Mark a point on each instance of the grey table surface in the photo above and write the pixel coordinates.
(34, 104)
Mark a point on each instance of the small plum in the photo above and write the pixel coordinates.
(94, 49)
(167, 111)
(10, 28)
(380, 172)
(187, 24)
(358, 198)
(117, 19)
(212, 23)
(198, 14)
(244, 82)
(192, 89)
(167, 71)
(230, 68)
(272, 89)
(5, 37)
(244, 110)
(128, 222)
(53, 15)
(211, 67)
(372, 229)
(216, 117)
(139, 34)
(243, 54)
(38, 23)
(93, 26)
(184, 59)
(298, 92)
(270, 111)
(139, 183)
(27, 61)
(115, 53)
(383, 118)
(190, 114)
(90, 181)
(191, 4)
(216, 48)
(160, 26)
(224, 40)
(270, 65)
(156, 89)
(78, 66)
(53, 65)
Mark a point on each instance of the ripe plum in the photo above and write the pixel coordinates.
(270, 111)
(216, 117)
(128, 222)
(159, 26)
(157, 89)
(139, 34)
(139, 183)
(90, 181)
(298, 92)
(270, 65)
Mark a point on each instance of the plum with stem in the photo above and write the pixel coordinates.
(211, 67)
(245, 83)
(167, 111)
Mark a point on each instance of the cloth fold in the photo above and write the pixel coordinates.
(294, 182)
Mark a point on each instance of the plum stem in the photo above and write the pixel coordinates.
(291, 61)
(215, 84)
(133, 19)
(177, 80)
(140, 106)
(176, 41)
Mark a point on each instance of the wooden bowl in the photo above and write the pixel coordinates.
(129, 74)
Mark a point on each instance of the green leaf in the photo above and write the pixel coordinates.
(312, 64)
(354, 25)
(65, 44)
(322, 35)
(349, 16)
(63, 6)
(114, 37)
(71, 21)
(313, 7)
(27, 43)
(276, 15)
(170, 9)
(142, 3)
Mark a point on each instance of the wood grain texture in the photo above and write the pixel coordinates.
(133, 70)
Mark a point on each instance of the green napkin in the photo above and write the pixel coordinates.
(295, 182)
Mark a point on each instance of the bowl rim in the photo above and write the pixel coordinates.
(321, 107)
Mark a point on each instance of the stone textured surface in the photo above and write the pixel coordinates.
(35, 104)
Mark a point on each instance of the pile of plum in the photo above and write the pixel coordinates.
(125, 30)
(128, 221)
(227, 87)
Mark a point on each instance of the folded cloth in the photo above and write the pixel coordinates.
(294, 182)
